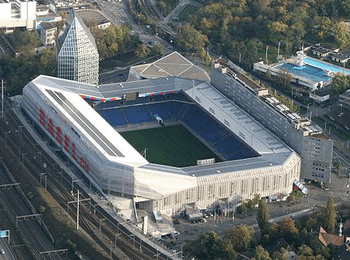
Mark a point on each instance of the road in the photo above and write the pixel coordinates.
(115, 11)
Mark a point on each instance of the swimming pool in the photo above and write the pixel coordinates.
(308, 71)
(326, 66)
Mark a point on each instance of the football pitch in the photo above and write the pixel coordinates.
(173, 145)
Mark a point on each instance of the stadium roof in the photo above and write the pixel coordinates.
(173, 64)
(67, 96)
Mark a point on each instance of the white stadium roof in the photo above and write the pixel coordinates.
(66, 96)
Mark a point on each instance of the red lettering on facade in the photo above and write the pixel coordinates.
(73, 152)
(58, 135)
(42, 117)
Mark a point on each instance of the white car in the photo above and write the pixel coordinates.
(2, 251)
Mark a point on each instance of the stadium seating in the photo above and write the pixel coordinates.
(159, 98)
(138, 114)
(107, 105)
(173, 107)
(176, 109)
(161, 110)
(114, 117)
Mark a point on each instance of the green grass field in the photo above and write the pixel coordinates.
(174, 146)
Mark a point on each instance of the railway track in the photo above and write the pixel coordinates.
(112, 233)
(154, 14)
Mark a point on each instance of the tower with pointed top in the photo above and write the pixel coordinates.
(77, 53)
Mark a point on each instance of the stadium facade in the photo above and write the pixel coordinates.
(312, 145)
(60, 108)
(77, 54)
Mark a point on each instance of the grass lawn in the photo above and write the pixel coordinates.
(174, 146)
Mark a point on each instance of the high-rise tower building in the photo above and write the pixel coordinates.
(77, 53)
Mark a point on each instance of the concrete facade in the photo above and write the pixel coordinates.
(16, 13)
(314, 147)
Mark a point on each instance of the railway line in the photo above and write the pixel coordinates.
(154, 14)
(115, 240)
(29, 227)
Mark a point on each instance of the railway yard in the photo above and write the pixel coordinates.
(32, 173)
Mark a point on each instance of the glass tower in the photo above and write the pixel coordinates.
(77, 53)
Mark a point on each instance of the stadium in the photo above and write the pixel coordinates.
(161, 143)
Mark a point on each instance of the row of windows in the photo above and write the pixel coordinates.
(250, 187)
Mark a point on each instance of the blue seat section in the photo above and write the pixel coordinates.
(178, 96)
(229, 146)
(138, 114)
(211, 133)
(114, 117)
(196, 119)
(220, 138)
(175, 109)
(107, 105)
(161, 110)
(158, 98)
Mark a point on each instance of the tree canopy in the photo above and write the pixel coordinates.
(114, 40)
(240, 237)
(211, 246)
(263, 216)
(330, 215)
(234, 25)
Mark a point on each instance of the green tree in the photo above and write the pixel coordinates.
(158, 50)
(341, 34)
(340, 83)
(211, 246)
(330, 215)
(142, 51)
(25, 42)
(260, 253)
(280, 254)
(305, 250)
(324, 28)
(240, 237)
(47, 61)
(263, 216)
(189, 39)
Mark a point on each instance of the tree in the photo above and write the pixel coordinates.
(260, 253)
(158, 50)
(240, 237)
(189, 39)
(142, 51)
(263, 216)
(330, 215)
(341, 34)
(211, 246)
(340, 83)
(288, 230)
(305, 250)
(47, 59)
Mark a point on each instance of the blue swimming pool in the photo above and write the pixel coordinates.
(326, 66)
(308, 71)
